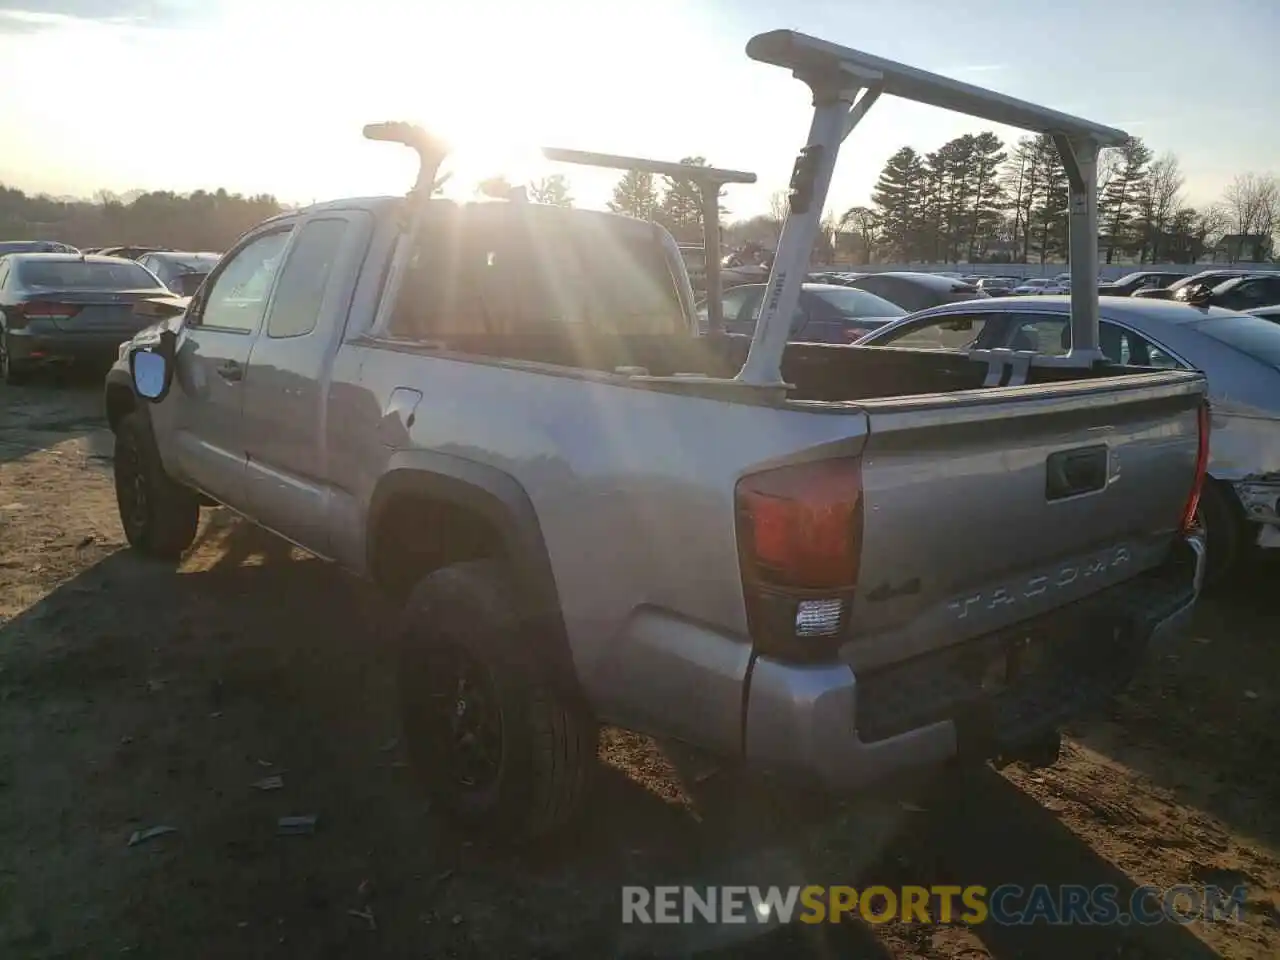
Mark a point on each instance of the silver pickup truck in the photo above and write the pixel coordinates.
(834, 562)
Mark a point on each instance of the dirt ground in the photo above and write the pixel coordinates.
(134, 696)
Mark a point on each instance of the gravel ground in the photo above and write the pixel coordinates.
(135, 696)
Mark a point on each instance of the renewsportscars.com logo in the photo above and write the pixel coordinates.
(1006, 905)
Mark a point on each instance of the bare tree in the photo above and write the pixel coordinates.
(778, 206)
(1160, 198)
(1253, 203)
(1110, 161)
(866, 226)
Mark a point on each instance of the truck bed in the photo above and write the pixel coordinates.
(816, 371)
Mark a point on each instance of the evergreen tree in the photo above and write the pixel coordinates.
(987, 196)
(1049, 216)
(681, 208)
(1122, 198)
(552, 190)
(635, 195)
(898, 198)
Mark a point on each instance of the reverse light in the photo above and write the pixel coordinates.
(1202, 469)
(799, 543)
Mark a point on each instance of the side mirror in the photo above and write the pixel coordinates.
(151, 366)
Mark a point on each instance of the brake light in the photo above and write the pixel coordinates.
(800, 548)
(1202, 470)
(40, 310)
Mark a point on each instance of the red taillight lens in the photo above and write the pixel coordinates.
(40, 310)
(799, 536)
(801, 525)
(1202, 470)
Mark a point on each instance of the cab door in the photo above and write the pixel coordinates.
(286, 392)
(213, 357)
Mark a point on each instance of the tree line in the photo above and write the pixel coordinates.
(197, 221)
(976, 200)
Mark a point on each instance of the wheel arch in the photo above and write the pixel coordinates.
(492, 497)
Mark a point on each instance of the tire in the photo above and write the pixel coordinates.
(1226, 532)
(159, 515)
(497, 745)
(11, 373)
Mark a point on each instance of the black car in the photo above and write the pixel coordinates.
(826, 313)
(55, 307)
(913, 291)
(1210, 277)
(180, 272)
(1238, 293)
(1130, 283)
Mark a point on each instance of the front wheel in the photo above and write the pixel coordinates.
(159, 515)
(500, 747)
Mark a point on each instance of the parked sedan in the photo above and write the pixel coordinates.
(1039, 286)
(55, 307)
(1238, 352)
(912, 291)
(1210, 277)
(1238, 293)
(826, 313)
(180, 272)
(1131, 283)
(34, 246)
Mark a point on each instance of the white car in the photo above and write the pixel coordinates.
(1040, 286)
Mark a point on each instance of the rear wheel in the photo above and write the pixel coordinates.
(159, 516)
(11, 372)
(498, 745)
(1226, 532)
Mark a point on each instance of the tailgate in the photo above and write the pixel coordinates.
(987, 507)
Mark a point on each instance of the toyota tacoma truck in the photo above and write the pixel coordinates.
(832, 562)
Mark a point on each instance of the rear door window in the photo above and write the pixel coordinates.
(1048, 335)
(955, 331)
(304, 278)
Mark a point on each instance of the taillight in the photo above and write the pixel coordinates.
(800, 546)
(1202, 470)
(40, 310)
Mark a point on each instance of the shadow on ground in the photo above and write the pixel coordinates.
(51, 410)
(134, 697)
(1200, 721)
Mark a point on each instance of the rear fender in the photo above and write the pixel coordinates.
(500, 500)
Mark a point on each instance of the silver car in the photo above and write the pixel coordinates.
(1238, 352)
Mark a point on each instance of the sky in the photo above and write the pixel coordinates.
(270, 95)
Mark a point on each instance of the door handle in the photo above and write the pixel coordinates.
(230, 370)
(1070, 473)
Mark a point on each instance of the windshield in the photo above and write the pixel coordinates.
(85, 275)
(852, 302)
(1252, 336)
(195, 263)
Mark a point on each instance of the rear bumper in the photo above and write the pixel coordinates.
(853, 731)
(50, 346)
